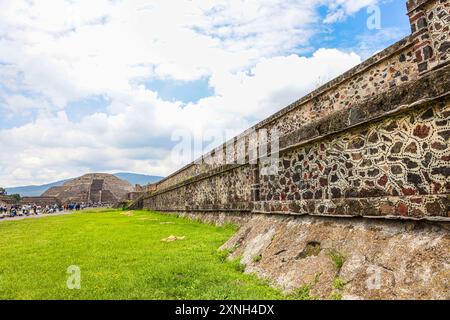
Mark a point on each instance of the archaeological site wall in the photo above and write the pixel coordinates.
(373, 142)
(39, 201)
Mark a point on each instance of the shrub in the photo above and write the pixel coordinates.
(336, 296)
(257, 258)
(339, 283)
(337, 258)
(302, 293)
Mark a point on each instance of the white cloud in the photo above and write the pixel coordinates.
(340, 9)
(56, 52)
(21, 104)
(130, 139)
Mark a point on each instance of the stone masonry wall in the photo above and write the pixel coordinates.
(227, 191)
(430, 26)
(398, 68)
(372, 143)
(402, 162)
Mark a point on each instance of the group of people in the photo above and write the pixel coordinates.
(75, 206)
(27, 210)
(33, 209)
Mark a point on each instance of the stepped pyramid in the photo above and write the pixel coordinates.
(91, 188)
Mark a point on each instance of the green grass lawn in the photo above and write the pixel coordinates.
(121, 257)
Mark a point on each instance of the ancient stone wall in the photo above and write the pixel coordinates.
(372, 143)
(396, 166)
(7, 201)
(430, 26)
(39, 201)
(228, 190)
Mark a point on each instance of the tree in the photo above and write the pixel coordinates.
(3, 192)
(16, 197)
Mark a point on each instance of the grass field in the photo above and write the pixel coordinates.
(121, 256)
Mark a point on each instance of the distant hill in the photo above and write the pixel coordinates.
(36, 191)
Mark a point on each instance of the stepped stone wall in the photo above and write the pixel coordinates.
(7, 201)
(372, 143)
(40, 201)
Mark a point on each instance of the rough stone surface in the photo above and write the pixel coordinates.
(411, 260)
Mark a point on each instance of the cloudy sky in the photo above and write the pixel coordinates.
(108, 85)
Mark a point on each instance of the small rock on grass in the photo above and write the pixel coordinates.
(128, 214)
(172, 239)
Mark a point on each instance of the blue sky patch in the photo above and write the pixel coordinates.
(352, 34)
(184, 91)
(77, 110)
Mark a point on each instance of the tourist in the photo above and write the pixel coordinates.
(13, 212)
(3, 211)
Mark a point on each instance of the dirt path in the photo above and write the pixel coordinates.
(39, 216)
